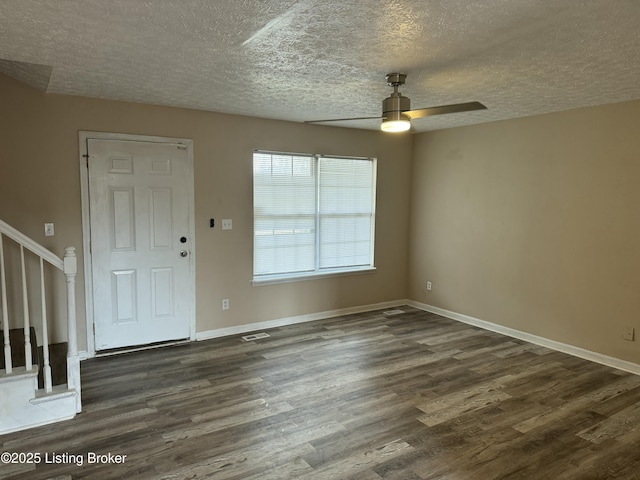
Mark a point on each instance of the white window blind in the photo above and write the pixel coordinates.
(312, 214)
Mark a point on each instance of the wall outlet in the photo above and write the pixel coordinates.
(429, 286)
(628, 332)
(227, 224)
(225, 304)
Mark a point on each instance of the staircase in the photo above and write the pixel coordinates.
(35, 388)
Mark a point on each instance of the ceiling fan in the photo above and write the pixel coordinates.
(396, 110)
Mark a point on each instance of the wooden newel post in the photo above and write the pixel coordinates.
(73, 361)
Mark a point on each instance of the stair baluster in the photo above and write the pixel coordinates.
(48, 383)
(25, 307)
(5, 312)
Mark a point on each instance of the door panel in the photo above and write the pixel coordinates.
(140, 208)
(160, 206)
(124, 296)
(122, 217)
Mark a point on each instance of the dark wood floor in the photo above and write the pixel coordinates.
(366, 396)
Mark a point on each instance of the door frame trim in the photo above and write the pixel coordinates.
(83, 137)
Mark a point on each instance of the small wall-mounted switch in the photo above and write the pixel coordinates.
(48, 230)
(212, 223)
(227, 224)
(628, 333)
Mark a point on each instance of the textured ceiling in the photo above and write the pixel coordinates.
(310, 59)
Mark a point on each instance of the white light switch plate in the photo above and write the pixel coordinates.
(227, 224)
(48, 230)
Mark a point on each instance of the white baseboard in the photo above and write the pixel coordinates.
(528, 337)
(281, 322)
(510, 332)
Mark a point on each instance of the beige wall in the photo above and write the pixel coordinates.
(534, 224)
(40, 181)
(528, 223)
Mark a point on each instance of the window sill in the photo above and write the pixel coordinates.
(271, 280)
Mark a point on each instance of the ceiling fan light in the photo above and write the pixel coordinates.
(395, 122)
(395, 126)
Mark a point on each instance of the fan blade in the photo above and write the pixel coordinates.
(442, 109)
(342, 119)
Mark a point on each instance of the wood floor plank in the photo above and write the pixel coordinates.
(369, 396)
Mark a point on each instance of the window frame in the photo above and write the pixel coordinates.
(318, 272)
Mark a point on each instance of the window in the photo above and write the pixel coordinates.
(312, 215)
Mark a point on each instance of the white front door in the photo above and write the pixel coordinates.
(141, 245)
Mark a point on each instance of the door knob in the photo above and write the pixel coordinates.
(183, 253)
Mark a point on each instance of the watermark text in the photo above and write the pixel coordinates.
(79, 459)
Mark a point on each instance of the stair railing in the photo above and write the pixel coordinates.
(68, 265)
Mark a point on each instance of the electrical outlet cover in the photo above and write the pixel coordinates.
(49, 230)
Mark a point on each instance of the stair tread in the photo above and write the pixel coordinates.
(18, 372)
(59, 391)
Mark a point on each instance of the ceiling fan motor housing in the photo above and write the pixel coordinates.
(395, 102)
